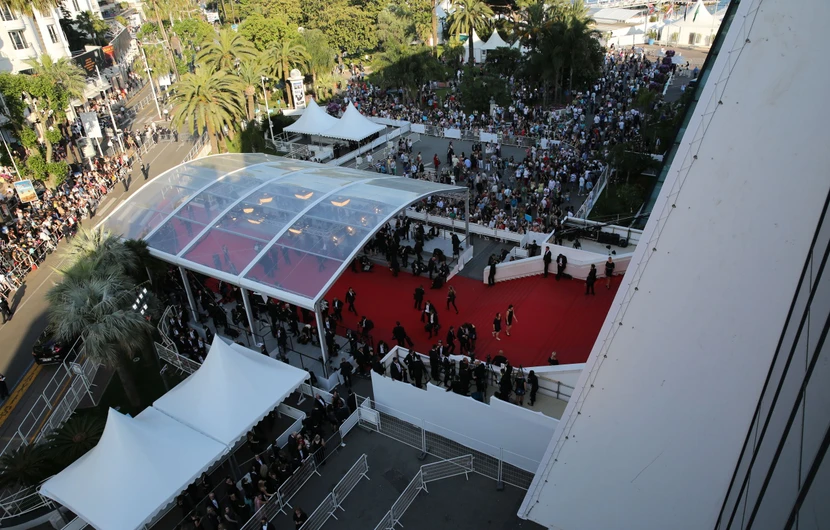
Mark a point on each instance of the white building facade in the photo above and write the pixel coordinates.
(23, 37)
(704, 403)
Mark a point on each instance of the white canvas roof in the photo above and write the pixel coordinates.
(231, 392)
(138, 467)
(494, 42)
(353, 126)
(314, 120)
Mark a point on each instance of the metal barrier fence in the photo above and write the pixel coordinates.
(461, 465)
(194, 151)
(593, 195)
(335, 499)
(495, 463)
(59, 399)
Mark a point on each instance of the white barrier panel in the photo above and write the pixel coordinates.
(452, 133)
(488, 137)
(470, 421)
(418, 128)
(579, 265)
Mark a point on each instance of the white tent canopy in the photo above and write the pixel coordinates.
(314, 120)
(353, 126)
(494, 42)
(477, 44)
(138, 467)
(231, 392)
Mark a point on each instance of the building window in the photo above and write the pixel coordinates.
(75, 5)
(18, 40)
(6, 13)
(52, 33)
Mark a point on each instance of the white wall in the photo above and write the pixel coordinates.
(579, 264)
(662, 409)
(524, 434)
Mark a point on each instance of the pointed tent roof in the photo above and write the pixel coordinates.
(495, 42)
(231, 392)
(138, 467)
(477, 42)
(314, 120)
(353, 126)
(699, 14)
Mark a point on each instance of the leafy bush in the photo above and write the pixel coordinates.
(37, 167)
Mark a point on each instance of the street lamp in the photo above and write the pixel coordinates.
(267, 110)
(149, 76)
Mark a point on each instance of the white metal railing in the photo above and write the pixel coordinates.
(460, 465)
(334, 500)
(197, 147)
(492, 462)
(593, 195)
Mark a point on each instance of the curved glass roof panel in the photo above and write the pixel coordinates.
(285, 227)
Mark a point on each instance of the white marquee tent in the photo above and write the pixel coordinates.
(231, 392)
(477, 44)
(138, 467)
(494, 42)
(353, 126)
(314, 120)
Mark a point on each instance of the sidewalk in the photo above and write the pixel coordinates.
(27, 381)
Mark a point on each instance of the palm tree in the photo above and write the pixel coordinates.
(93, 25)
(470, 16)
(28, 466)
(320, 54)
(208, 100)
(577, 36)
(98, 309)
(283, 56)
(226, 50)
(93, 301)
(61, 72)
(75, 437)
(250, 75)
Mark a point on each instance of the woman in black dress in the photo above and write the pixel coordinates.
(497, 326)
(509, 318)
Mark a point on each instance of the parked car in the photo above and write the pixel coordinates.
(47, 350)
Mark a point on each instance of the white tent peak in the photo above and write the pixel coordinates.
(313, 120)
(353, 126)
(231, 392)
(495, 42)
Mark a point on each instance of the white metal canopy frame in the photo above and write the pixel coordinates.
(280, 227)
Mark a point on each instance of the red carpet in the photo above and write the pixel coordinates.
(550, 315)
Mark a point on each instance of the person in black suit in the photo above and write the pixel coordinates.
(419, 297)
(451, 341)
(265, 525)
(300, 518)
(591, 280)
(346, 369)
(561, 263)
(396, 370)
(547, 259)
(609, 271)
(350, 298)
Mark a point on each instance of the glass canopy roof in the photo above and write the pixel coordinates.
(281, 227)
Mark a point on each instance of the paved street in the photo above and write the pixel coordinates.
(29, 303)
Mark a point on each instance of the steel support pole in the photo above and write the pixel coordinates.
(320, 331)
(190, 300)
(249, 312)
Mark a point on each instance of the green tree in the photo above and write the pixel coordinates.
(282, 56)
(408, 68)
(479, 88)
(262, 31)
(62, 72)
(250, 75)
(289, 11)
(320, 55)
(75, 438)
(27, 466)
(580, 42)
(192, 33)
(350, 28)
(208, 101)
(226, 50)
(93, 300)
(93, 25)
(470, 16)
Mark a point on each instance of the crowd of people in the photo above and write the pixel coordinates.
(565, 148)
(33, 230)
